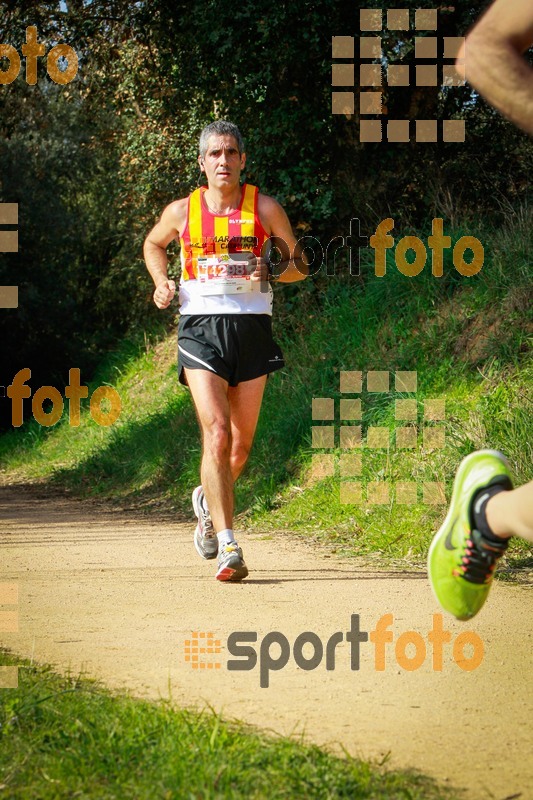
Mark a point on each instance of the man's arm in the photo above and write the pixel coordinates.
(494, 62)
(155, 250)
(294, 265)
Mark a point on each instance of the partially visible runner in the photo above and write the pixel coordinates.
(225, 345)
(484, 510)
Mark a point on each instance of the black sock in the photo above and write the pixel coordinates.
(479, 506)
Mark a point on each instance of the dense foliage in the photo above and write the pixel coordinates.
(91, 164)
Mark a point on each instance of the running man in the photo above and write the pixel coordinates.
(485, 510)
(225, 344)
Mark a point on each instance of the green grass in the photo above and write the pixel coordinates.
(67, 737)
(467, 338)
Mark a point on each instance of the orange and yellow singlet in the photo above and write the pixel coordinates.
(208, 234)
(213, 255)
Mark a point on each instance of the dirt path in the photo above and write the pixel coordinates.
(120, 596)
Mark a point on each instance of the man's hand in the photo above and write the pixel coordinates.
(155, 250)
(260, 272)
(164, 293)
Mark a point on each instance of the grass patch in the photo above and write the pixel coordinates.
(68, 737)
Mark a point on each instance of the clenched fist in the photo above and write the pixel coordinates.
(260, 272)
(164, 293)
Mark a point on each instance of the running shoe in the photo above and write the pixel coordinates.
(205, 538)
(461, 561)
(231, 566)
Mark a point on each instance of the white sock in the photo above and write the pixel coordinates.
(225, 537)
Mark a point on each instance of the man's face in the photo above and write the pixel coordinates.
(222, 162)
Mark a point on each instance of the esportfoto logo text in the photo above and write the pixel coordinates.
(408, 651)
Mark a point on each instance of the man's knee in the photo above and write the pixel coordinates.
(239, 453)
(217, 438)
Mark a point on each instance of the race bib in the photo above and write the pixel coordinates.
(224, 274)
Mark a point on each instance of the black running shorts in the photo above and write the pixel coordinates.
(238, 347)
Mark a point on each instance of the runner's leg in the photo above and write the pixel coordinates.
(210, 396)
(245, 403)
(228, 419)
(511, 513)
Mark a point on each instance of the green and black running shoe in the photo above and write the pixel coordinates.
(461, 561)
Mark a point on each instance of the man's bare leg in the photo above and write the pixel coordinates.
(511, 513)
(228, 420)
(210, 395)
(245, 404)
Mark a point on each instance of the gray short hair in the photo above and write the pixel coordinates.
(220, 128)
